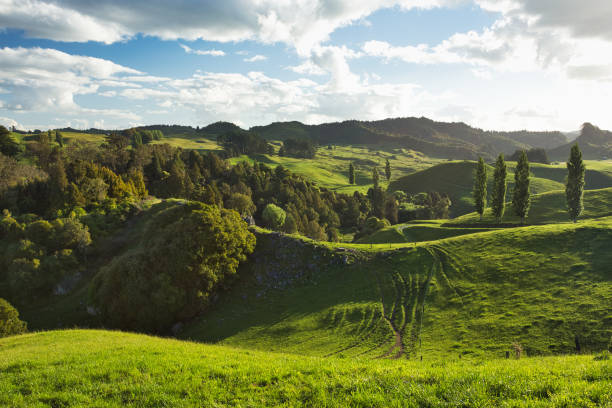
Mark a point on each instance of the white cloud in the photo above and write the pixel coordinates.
(256, 58)
(214, 53)
(301, 24)
(40, 79)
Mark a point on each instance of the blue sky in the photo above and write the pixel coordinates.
(506, 64)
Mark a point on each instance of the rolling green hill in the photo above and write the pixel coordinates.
(473, 295)
(549, 208)
(417, 231)
(455, 178)
(87, 368)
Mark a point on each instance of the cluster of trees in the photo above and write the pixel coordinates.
(303, 149)
(139, 136)
(10, 324)
(36, 254)
(535, 155)
(185, 256)
(239, 142)
(521, 196)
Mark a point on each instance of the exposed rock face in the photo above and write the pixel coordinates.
(280, 261)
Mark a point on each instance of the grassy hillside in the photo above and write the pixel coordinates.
(455, 178)
(549, 208)
(417, 231)
(329, 168)
(102, 368)
(539, 286)
(598, 173)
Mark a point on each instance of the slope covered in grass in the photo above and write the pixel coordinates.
(472, 295)
(329, 168)
(416, 232)
(456, 179)
(547, 208)
(101, 368)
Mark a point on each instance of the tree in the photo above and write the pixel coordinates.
(59, 138)
(273, 216)
(9, 320)
(521, 199)
(574, 188)
(173, 273)
(388, 170)
(351, 173)
(498, 202)
(375, 177)
(242, 203)
(8, 145)
(480, 187)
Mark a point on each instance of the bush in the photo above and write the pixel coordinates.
(184, 257)
(9, 320)
(273, 216)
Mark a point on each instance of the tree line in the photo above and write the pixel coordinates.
(521, 196)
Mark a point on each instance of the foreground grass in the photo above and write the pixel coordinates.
(99, 368)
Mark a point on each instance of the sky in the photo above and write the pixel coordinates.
(493, 64)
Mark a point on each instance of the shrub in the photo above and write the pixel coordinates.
(9, 320)
(183, 258)
(273, 216)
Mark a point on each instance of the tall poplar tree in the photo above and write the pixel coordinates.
(520, 195)
(498, 201)
(375, 178)
(574, 188)
(351, 173)
(59, 138)
(480, 187)
(388, 170)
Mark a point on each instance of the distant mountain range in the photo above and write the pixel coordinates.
(451, 140)
(595, 143)
(437, 139)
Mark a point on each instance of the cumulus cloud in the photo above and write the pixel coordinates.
(39, 79)
(214, 53)
(256, 58)
(301, 24)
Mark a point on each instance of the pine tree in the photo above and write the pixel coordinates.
(351, 174)
(520, 195)
(574, 189)
(480, 187)
(388, 170)
(375, 178)
(498, 202)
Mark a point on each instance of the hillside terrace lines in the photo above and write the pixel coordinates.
(405, 317)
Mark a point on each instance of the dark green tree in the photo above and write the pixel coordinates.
(388, 170)
(59, 138)
(274, 216)
(8, 145)
(480, 187)
(375, 177)
(498, 201)
(9, 320)
(351, 173)
(521, 199)
(574, 188)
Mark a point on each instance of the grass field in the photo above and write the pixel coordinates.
(456, 179)
(329, 168)
(472, 295)
(87, 368)
(549, 208)
(417, 231)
